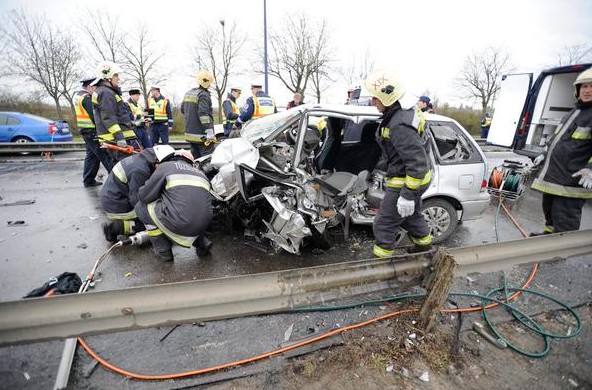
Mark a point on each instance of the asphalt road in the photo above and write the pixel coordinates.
(60, 231)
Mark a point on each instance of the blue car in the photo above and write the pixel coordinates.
(21, 127)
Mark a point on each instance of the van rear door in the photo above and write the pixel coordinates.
(508, 108)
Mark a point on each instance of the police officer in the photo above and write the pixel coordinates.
(111, 114)
(566, 176)
(175, 205)
(138, 120)
(409, 169)
(199, 122)
(119, 195)
(256, 106)
(485, 125)
(231, 110)
(86, 127)
(162, 123)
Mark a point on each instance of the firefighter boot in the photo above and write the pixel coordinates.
(112, 230)
(162, 247)
(419, 248)
(202, 246)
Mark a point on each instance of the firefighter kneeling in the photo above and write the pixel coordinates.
(176, 207)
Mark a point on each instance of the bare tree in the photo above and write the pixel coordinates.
(142, 58)
(480, 78)
(298, 50)
(219, 54)
(357, 69)
(105, 37)
(575, 54)
(39, 52)
(322, 55)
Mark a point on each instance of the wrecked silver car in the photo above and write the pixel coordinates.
(295, 174)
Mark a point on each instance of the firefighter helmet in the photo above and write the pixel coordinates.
(162, 152)
(186, 154)
(204, 78)
(584, 77)
(385, 87)
(106, 70)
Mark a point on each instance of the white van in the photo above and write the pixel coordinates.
(526, 114)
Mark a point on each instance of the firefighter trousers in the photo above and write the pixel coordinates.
(562, 214)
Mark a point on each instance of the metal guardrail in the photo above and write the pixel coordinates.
(39, 147)
(134, 308)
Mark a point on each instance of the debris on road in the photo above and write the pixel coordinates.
(15, 223)
(19, 202)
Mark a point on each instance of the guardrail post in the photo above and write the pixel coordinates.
(438, 286)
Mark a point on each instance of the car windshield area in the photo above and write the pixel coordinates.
(451, 145)
(264, 128)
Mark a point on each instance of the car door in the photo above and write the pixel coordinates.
(4, 131)
(508, 108)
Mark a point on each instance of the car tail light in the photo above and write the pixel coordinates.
(483, 185)
(52, 129)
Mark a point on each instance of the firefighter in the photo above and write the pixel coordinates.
(175, 205)
(199, 121)
(231, 110)
(565, 178)
(138, 120)
(112, 118)
(402, 139)
(256, 106)
(162, 123)
(86, 127)
(119, 194)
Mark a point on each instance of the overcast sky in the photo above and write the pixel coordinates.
(426, 41)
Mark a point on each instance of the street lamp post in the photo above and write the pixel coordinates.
(265, 44)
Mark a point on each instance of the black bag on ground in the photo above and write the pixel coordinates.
(65, 283)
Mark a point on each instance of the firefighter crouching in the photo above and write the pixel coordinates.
(112, 118)
(401, 137)
(119, 194)
(176, 207)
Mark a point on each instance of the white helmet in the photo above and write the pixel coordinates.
(162, 152)
(384, 86)
(204, 78)
(186, 154)
(584, 77)
(106, 70)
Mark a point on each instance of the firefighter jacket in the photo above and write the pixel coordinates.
(197, 109)
(178, 200)
(231, 111)
(112, 118)
(256, 107)
(403, 142)
(119, 194)
(162, 110)
(85, 120)
(569, 150)
(137, 113)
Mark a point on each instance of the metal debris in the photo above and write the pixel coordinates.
(19, 202)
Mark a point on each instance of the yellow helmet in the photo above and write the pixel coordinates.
(384, 86)
(106, 70)
(204, 78)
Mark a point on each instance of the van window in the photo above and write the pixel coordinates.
(451, 145)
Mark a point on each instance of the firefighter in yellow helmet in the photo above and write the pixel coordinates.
(565, 178)
(409, 170)
(199, 122)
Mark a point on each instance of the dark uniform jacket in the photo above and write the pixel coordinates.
(569, 150)
(111, 114)
(404, 146)
(119, 194)
(197, 108)
(178, 200)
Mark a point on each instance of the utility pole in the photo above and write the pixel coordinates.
(265, 44)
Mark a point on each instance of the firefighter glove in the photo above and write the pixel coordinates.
(405, 207)
(538, 160)
(122, 143)
(586, 177)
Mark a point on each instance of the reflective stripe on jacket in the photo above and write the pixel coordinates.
(83, 119)
(160, 109)
(197, 110)
(111, 117)
(264, 106)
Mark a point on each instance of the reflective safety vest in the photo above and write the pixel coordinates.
(264, 106)
(137, 111)
(83, 120)
(160, 109)
(235, 110)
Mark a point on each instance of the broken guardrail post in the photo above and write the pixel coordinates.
(438, 285)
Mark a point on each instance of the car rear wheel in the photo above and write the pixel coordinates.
(441, 217)
(22, 140)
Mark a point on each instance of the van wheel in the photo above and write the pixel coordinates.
(441, 217)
